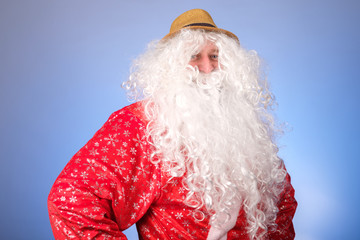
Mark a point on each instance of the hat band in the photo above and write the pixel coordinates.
(200, 24)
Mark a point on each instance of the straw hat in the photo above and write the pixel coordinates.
(196, 19)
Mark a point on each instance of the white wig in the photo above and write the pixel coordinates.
(215, 131)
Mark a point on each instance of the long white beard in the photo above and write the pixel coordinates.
(198, 130)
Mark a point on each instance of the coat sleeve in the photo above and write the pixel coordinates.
(108, 185)
(287, 207)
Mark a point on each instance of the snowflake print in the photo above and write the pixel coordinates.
(93, 152)
(116, 127)
(144, 198)
(186, 223)
(105, 159)
(127, 124)
(120, 193)
(126, 178)
(96, 209)
(174, 230)
(143, 169)
(145, 229)
(84, 174)
(73, 199)
(118, 167)
(134, 179)
(179, 215)
(126, 133)
(174, 183)
(101, 176)
(121, 152)
(133, 151)
(91, 164)
(181, 190)
(57, 223)
(98, 188)
(111, 140)
(138, 141)
(136, 206)
(104, 149)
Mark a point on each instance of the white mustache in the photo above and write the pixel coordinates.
(206, 80)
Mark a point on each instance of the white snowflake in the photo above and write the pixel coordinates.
(91, 164)
(138, 141)
(118, 167)
(127, 124)
(133, 151)
(134, 178)
(136, 206)
(116, 127)
(57, 223)
(96, 208)
(84, 174)
(105, 149)
(126, 133)
(186, 223)
(143, 169)
(144, 198)
(111, 140)
(179, 215)
(93, 152)
(121, 152)
(105, 158)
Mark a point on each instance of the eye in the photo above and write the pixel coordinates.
(214, 56)
(195, 56)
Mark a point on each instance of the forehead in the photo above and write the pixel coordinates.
(209, 47)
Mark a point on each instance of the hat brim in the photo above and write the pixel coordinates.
(210, 29)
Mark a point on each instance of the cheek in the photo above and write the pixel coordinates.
(193, 63)
(215, 64)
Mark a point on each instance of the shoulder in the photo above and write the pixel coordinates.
(131, 114)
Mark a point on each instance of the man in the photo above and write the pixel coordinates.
(194, 158)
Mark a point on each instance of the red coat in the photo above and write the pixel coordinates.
(110, 184)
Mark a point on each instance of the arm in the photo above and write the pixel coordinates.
(287, 206)
(107, 186)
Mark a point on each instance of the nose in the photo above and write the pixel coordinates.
(206, 65)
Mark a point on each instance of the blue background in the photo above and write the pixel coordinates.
(62, 63)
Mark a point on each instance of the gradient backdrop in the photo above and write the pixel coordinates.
(62, 63)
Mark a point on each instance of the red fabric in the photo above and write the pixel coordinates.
(110, 184)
